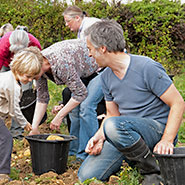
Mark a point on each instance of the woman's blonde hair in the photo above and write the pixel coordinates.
(27, 61)
(18, 40)
(6, 28)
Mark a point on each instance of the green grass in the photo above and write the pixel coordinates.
(55, 92)
(179, 81)
(14, 173)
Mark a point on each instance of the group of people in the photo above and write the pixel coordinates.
(144, 110)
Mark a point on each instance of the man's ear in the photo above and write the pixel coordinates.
(103, 49)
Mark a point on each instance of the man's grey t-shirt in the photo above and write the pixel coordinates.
(137, 94)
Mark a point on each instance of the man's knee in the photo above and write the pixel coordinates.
(110, 128)
(84, 173)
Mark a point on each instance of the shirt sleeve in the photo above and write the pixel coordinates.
(5, 54)
(76, 86)
(42, 90)
(107, 94)
(156, 78)
(17, 110)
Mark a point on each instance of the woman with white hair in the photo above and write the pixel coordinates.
(11, 43)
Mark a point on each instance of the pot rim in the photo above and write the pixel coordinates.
(67, 138)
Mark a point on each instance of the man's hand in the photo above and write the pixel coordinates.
(164, 147)
(94, 146)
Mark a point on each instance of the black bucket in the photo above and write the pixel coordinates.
(172, 166)
(49, 155)
(27, 104)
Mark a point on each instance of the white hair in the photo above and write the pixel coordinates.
(18, 40)
(19, 27)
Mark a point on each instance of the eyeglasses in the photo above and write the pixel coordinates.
(68, 20)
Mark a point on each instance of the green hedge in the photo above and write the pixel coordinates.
(155, 29)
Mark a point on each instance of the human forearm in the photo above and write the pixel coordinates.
(40, 110)
(56, 122)
(72, 103)
(174, 121)
(165, 145)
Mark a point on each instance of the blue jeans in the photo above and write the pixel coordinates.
(84, 122)
(120, 132)
(6, 145)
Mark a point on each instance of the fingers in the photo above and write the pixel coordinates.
(94, 148)
(164, 148)
(54, 127)
(28, 127)
(89, 146)
(34, 132)
(57, 108)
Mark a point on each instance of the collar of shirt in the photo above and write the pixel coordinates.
(80, 29)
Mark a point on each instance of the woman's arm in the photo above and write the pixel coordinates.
(56, 122)
(40, 110)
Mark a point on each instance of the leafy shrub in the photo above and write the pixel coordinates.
(152, 31)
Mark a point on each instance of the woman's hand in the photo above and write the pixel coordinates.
(56, 122)
(57, 108)
(34, 131)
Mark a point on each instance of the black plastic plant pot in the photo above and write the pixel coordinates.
(172, 166)
(49, 155)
